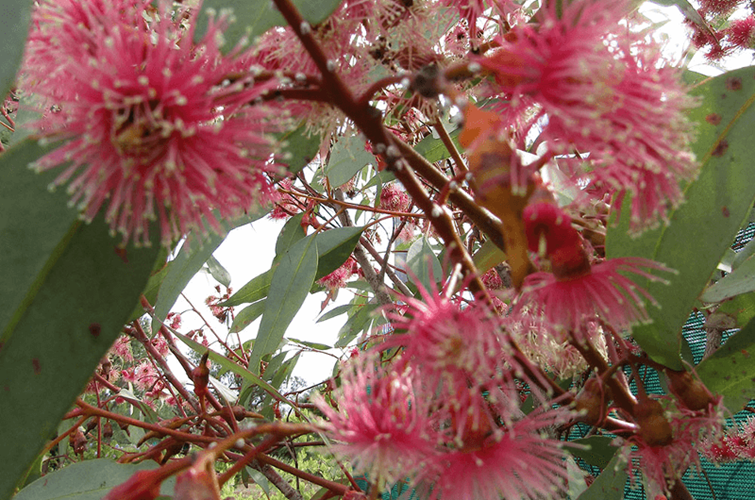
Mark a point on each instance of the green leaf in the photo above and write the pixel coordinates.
(744, 254)
(347, 158)
(284, 372)
(598, 452)
(259, 479)
(488, 256)
(251, 18)
(609, 485)
(702, 228)
(423, 265)
(290, 234)
(299, 148)
(253, 291)
(730, 371)
(87, 480)
(355, 324)
(333, 246)
(16, 16)
(34, 222)
(290, 285)
(153, 285)
(379, 179)
(336, 311)
(188, 262)
(433, 148)
(66, 292)
(312, 345)
(247, 315)
(218, 272)
(740, 280)
(742, 308)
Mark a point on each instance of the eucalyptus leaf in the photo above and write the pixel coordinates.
(424, 267)
(347, 158)
(87, 480)
(609, 485)
(16, 16)
(66, 289)
(218, 272)
(299, 148)
(730, 370)
(702, 228)
(740, 280)
(289, 286)
(246, 316)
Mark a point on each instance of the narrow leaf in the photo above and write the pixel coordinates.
(740, 280)
(488, 256)
(218, 272)
(290, 234)
(595, 450)
(336, 311)
(312, 345)
(333, 247)
(290, 285)
(247, 315)
(231, 366)
(609, 485)
(253, 291)
(299, 148)
(190, 259)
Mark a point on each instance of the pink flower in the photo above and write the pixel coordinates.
(122, 348)
(577, 291)
(155, 127)
(337, 279)
(380, 423)
(145, 375)
(517, 462)
(392, 197)
(741, 33)
(603, 90)
(448, 342)
(668, 442)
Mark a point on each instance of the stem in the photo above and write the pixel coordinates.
(369, 120)
(167, 372)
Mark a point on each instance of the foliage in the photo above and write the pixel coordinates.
(510, 207)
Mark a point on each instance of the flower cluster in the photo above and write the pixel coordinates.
(446, 410)
(157, 127)
(600, 93)
(577, 291)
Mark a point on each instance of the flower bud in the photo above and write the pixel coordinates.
(654, 428)
(592, 402)
(689, 390)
